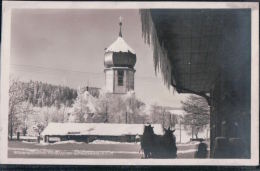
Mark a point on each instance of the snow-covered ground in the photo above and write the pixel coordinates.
(192, 143)
(106, 142)
(184, 136)
(187, 143)
(96, 149)
(115, 142)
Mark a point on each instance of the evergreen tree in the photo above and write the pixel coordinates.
(196, 118)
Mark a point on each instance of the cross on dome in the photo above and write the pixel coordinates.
(120, 45)
(120, 25)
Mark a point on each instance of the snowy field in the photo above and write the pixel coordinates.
(97, 149)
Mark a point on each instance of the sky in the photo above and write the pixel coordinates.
(66, 47)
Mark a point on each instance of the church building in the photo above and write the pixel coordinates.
(119, 63)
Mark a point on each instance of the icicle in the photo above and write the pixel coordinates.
(160, 57)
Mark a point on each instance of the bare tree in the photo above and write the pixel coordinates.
(161, 115)
(172, 119)
(135, 108)
(197, 114)
(156, 113)
(15, 99)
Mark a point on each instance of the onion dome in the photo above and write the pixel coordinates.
(119, 53)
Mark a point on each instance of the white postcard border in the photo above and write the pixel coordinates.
(5, 70)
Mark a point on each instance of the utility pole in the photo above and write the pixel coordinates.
(207, 132)
(192, 130)
(170, 120)
(126, 117)
(106, 120)
(163, 118)
(180, 131)
(180, 123)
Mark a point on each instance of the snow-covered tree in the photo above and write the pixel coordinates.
(102, 107)
(15, 101)
(38, 128)
(24, 117)
(135, 108)
(197, 115)
(115, 108)
(84, 107)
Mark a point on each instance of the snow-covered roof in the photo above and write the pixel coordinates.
(109, 129)
(119, 46)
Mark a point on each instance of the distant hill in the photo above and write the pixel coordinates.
(44, 94)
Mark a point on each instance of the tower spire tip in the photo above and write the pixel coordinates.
(120, 25)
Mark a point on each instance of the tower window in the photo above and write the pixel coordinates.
(120, 77)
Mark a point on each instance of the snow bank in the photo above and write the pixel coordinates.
(29, 142)
(25, 137)
(68, 142)
(111, 142)
(188, 144)
(60, 142)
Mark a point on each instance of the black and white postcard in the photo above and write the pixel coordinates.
(130, 83)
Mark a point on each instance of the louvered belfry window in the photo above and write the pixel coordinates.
(120, 77)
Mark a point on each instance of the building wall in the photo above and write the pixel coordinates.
(118, 88)
(230, 117)
(128, 82)
(111, 76)
(90, 138)
(131, 81)
(231, 93)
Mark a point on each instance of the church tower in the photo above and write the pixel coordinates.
(119, 63)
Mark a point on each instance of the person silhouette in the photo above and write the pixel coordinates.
(202, 150)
